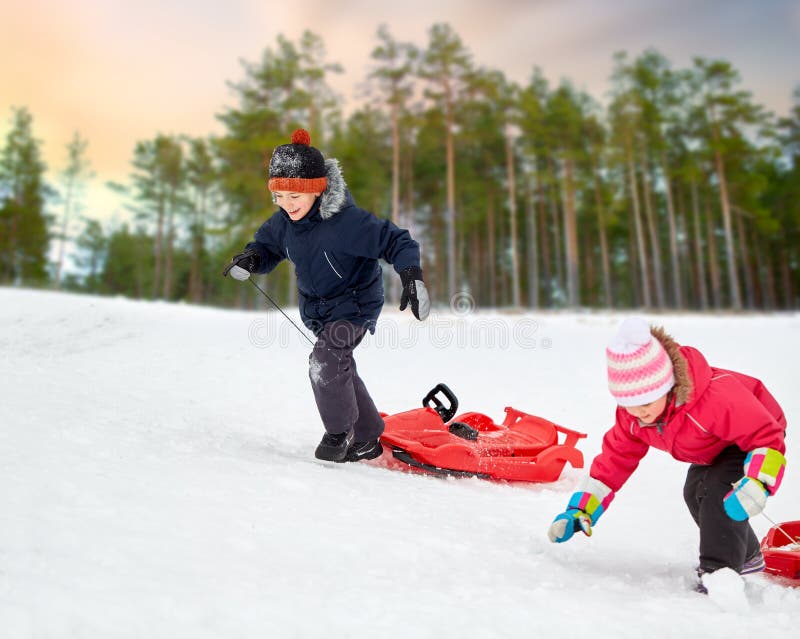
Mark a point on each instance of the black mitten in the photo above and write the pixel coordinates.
(414, 292)
(248, 260)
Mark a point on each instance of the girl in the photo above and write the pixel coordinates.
(725, 424)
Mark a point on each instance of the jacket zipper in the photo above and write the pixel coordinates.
(325, 253)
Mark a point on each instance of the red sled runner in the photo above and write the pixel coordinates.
(523, 448)
(781, 550)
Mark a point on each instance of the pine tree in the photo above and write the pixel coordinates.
(394, 75)
(725, 112)
(23, 223)
(73, 179)
(201, 177)
(534, 143)
(445, 64)
(158, 183)
(92, 245)
(565, 114)
(286, 90)
(625, 122)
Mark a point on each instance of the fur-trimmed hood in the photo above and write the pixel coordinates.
(713, 409)
(335, 195)
(684, 386)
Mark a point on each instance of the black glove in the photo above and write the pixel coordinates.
(248, 261)
(414, 291)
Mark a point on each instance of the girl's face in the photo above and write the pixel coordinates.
(296, 205)
(648, 413)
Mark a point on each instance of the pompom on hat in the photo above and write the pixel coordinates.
(639, 369)
(297, 167)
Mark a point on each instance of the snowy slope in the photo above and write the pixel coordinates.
(157, 480)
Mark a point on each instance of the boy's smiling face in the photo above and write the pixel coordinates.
(296, 205)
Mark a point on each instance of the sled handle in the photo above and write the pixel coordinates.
(445, 412)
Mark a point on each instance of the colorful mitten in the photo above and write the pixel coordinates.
(763, 472)
(583, 511)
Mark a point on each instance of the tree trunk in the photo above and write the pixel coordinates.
(634, 270)
(532, 246)
(516, 293)
(637, 221)
(140, 283)
(786, 277)
(733, 275)
(167, 292)
(675, 264)
(437, 259)
(394, 287)
(684, 251)
(556, 230)
(601, 229)
(543, 238)
(170, 249)
(571, 235)
(157, 249)
(491, 244)
(63, 238)
(461, 247)
(746, 263)
(713, 261)
(451, 195)
(503, 296)
(767, 302)
(198, 242)
(589, 286)
(652, 229)
(9, 268)
(702, 288)
(474, 267)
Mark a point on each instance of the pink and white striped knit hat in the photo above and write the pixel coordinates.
(639, 369)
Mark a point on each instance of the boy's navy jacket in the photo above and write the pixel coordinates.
(335, 250)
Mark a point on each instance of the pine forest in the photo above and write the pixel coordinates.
(675, 190)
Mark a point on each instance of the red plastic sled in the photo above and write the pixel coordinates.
(523, 448)
(781, 550)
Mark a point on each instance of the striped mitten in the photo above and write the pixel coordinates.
(583, 511)
(763, 473)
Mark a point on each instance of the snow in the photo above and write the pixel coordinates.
(726, 588)
(157, 479)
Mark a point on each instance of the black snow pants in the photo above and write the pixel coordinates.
(724, 543)
(342, 399)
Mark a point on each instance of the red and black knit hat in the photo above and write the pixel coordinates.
(297, 167)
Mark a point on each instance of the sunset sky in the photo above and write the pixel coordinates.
(121, 71)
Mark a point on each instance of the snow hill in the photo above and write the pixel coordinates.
(157, 480)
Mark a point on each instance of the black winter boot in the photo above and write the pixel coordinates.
(334, 447)
(364, 450)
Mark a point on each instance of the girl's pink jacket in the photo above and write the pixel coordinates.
(711, 409)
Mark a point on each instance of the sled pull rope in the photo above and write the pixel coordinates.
(272, 301)
(791, 539)
(774, 523)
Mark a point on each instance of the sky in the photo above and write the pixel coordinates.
(119, 71)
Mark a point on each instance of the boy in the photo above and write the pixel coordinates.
(334, 246)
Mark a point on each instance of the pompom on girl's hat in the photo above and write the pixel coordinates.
(639, 369)
(298, 166)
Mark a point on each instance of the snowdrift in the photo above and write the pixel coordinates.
(157, 479)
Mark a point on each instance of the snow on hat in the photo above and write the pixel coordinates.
(639, 369)
(297, 166)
